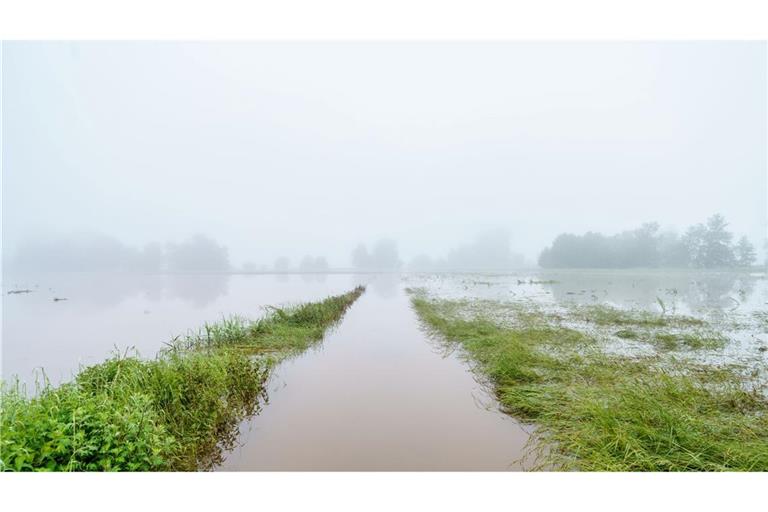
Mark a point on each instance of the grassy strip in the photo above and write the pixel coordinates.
(176, 412)
(601, 412)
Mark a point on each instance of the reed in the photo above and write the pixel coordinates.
(598, 411)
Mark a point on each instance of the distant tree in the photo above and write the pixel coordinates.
(745, 253)
(282, 264)
(360, 257)
(672, 251)
(198, 254)
(311, 264)
(306, 264)
(545, 258)
(489, 251)
(694, 243)
(250, 267)
(717, 243)
(321, 264)
(383, 256)
(646, 242)
(765, 251)
(703, 245)
(77, 252)
(591, 250)
(151, 258)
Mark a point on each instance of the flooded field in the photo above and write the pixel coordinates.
(379, 393)
(733, 303)
(104, 311)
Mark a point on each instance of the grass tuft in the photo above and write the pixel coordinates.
(177, 412)
(601, 412)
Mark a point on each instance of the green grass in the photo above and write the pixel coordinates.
(604, 315)
(175, 412)
(600, 412)
(691, 340)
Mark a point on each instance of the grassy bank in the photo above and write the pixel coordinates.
(602, 411)
(175, 412)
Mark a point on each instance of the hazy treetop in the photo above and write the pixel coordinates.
(294, 149)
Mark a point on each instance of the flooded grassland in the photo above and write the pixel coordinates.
(585, 370)
(619, 370)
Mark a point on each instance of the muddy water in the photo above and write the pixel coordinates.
(378, 395)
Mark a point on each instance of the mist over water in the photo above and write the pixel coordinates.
(315, 156)
(151, 189)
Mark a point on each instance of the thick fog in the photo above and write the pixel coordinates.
(256, 156)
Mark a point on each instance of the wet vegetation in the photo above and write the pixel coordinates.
(599, 410)
(178, 411)
(603, 315)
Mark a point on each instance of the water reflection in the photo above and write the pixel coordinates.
(313, 277)
(242, 408)
(376, 396)
(385, 286)
(691, 291)
(199, 290)
(98, 291)
(144, 311)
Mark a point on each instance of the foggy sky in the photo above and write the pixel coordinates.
(313, 148)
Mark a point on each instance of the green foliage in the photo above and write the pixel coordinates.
(66, 429)
(692, 340)
(175, 412)
(604, 315)
(627, 334)
(283, 330)
(599, 412)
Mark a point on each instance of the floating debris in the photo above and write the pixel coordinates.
(14, 292)
(57, 299)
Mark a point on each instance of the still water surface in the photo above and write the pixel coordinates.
(377, 393)
(104, 311)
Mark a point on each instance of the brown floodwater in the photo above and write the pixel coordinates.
(378, 394)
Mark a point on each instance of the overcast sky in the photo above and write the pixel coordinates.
(291, 149)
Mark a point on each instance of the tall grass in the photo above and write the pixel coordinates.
(603, 412)
(178, 411)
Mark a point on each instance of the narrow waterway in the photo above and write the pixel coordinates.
(378, 394)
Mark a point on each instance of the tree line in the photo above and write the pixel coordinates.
(704, 245)
(97, 252)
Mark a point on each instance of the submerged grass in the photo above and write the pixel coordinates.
(604, 315)
(176, 412)
(601, 412)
